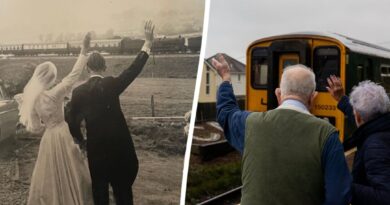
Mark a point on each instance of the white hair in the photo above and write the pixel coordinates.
(302, 84)
(44, 76)
(369, 100)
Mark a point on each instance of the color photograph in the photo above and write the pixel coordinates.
(293, 105)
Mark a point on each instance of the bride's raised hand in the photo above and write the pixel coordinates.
(86, 44)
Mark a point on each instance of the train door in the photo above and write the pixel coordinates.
(328, 59)
(286, 60)
(284, 53)
(265, 66)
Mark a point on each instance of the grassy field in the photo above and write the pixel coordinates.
(172, 97)
(17, 71)
(160, 145)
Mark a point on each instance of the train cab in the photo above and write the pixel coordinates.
(327, 54)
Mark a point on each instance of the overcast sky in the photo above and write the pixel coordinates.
(234, 24)
(25, 20)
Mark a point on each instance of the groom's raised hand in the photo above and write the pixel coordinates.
(149, 34)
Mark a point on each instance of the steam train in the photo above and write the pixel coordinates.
(112, 46)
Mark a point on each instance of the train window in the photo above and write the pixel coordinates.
(360, 73)
(261, 71)
(368, 69)
(384, 72)
(326, 62)
(259, 68)
(385, 77)
(289, 62)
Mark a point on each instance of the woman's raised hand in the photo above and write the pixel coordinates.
(86, 43)
(335, 87)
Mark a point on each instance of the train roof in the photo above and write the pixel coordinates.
(19, 44)
(96, 41)
(352, 44)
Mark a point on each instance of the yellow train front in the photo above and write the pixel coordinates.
(327, 54)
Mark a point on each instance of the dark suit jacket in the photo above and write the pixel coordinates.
(97, 102)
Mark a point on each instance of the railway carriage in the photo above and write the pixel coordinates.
(44, 48)
(327, 54)
(111, 46)
(15, 49)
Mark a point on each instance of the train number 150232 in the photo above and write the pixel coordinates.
(325, 107)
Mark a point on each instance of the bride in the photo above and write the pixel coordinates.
(61, 174)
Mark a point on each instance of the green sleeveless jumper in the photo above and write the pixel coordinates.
(282, 158)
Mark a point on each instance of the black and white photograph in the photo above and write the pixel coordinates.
(95, 99)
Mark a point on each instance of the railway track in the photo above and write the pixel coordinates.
(231, 197)
(207, 147)
(211, 150)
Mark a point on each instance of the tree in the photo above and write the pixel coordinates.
(60, 38)
(109, 33)
(49, 38)
(41, 38)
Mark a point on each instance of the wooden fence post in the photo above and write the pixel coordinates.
(152, 105)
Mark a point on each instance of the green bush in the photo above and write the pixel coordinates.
(210, 180)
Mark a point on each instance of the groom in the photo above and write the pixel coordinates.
(111, 155)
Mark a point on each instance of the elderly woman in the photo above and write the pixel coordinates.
(369, 106)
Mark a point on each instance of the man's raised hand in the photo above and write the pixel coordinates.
(222, 67)
(149, 33)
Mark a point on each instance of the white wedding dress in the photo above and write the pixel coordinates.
(61, 175)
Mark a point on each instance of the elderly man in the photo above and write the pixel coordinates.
(289, 156)
(369, 107)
